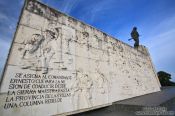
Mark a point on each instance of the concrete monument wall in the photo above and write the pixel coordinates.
(60, 65)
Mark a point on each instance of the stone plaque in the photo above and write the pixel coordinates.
(59, 65)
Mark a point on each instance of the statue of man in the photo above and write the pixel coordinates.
(135, 36)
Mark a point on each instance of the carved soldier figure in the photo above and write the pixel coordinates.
(38, 50)
(81, 96)
(30, 52)
(47, 49)
(135, 36)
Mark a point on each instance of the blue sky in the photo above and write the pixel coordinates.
(155, 20)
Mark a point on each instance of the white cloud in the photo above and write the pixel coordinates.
(165, 25)
(161, 43)
(70, 5)
(4, 47)
(95, 9)
(3, 17)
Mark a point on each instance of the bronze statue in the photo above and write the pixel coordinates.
(135, 37)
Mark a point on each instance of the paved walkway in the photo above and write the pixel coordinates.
(153, 99)
(164, 98)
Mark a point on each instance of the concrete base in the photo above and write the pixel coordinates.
(129, 107)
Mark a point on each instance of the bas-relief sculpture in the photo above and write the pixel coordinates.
(77, 66)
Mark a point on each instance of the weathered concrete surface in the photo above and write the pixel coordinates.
(58, 64)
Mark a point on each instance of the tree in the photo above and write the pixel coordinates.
(164, 78)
